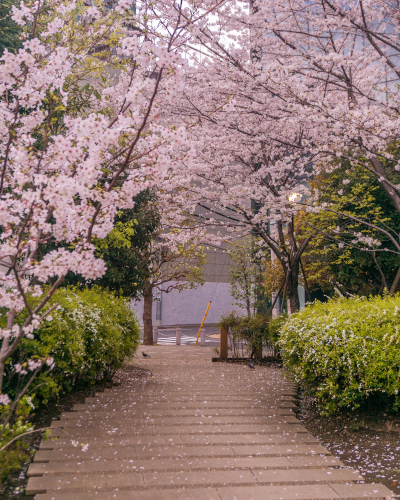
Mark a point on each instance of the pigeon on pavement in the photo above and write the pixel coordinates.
(145, 355)
(251, 364)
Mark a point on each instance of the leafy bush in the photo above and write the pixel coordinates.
(246, 333)
(90, 336)
(275, 326)
(13, 457)
(347, 351)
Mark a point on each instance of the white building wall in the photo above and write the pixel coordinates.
(189, 306)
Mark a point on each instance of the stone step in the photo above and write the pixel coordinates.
(88, 417)
(116, 429)
(167, 405)
(137, 480)
(133, 410)
(192, 431)
(178, 396)
(299, 451)
(173, 439)
(166, 464)
(297, 492)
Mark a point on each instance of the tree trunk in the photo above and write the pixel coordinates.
(292, 289)
(248, 307)
(147, 314)
(393, 195)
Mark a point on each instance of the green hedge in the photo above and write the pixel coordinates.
(91, 335)
(254, 331)
(347, 351)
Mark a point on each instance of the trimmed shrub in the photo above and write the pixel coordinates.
(246, 333)
(90, 336)
(346, 351)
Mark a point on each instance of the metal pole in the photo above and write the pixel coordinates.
(202, 323)
(203, 338)
(178, 336)
(155, 334)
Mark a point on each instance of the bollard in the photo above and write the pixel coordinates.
(178, 336)
(155, 334)
(202, 338)
(258, 354)
(223, 343)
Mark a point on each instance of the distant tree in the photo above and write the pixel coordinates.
(171, 268)
(344, 252)
(246, 275)
(125, 247)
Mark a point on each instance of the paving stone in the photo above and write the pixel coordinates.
(74, 418)
(184, 451)
(198, 478)
(314, 461)
(117, 430)
(98, 466)
(286, 450)
(78, 482)
(306, 475)
(132, 452)
(159, 464)
(172, 494)
(256, 411)
(290, 437)
(105, 442)
(298, 492)
(100, 428)
(134, 412)
(362, 490)
(175, 397)
(228, 439)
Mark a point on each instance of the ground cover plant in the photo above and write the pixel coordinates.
(346, 352)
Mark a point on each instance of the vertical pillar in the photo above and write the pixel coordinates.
(158, 307)
(155, 334)
(202, 338)
(223, 343)
(302, 296)
(178, 336)
(258, 353)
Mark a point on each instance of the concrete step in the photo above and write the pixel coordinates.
(100, 428)
(138, 480)
(97, 439)
(142, 452)
(170, 464)
(86, 418)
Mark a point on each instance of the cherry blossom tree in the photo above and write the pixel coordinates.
(296, 85)
(79, 136)
(246, 178)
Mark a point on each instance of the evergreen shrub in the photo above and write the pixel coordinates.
(253, 331)
(90, 336)
(346, 351)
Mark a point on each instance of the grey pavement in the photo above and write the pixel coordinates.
(194, 430)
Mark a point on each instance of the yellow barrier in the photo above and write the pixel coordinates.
(202, 323)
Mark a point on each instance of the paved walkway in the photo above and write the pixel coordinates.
(195, 430)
